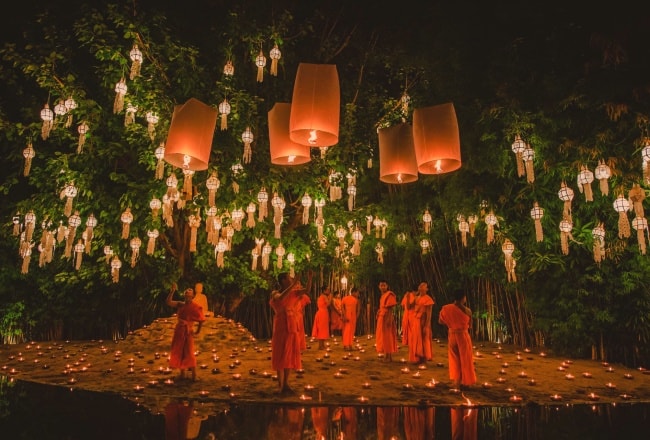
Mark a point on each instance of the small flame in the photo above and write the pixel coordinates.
(439, 166)
(399, 178)
(291, 158)
(186, 161)
(312, 137)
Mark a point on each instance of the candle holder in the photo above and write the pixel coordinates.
(610, 385)
(515, 399)
(138, 389)
(569, 376)
(628, 376)
(363, 399)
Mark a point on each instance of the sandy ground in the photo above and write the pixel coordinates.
(235, 367)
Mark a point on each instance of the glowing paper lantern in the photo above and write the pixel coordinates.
(508, 249)
(397, 163)
(315, 105)
(598, 234)
(566, 226)
(518, 147)
(566, 195)
(436, 139)
(622, 206)
(536, 214)
(585, 177)
(189, 140)
(603, 173)
(640, 224)
(284, 151)
(28, 153)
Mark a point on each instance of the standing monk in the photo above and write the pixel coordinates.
(182, 351)
(285, 343)
(336, 318)
(422, 319)
(408, 303)
(386, 334)
(350, 308)
(321, 328)
(458, 318)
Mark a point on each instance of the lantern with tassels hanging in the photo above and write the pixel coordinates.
(266, 255)
(315, 105)
(26, 255)
(47, 116)
(28, 153)
(108, 252)
(91, 222)
(70, 105)
(278, 213)
(237, 216)
(622, 206)
(357, 236)
(528, 157)
(250, 215)
(187, 184)
(436, 139)
(236, 169)
(427, 219)
(255, 255)
(116, 264)
(189, 140)
(518, 147)
(490, 221)
(275, 55)
(603, 172)
(220, 248)
(585, 177)
(230, 232)
(536, 214)
(283, 150)
(30, 225)
(155, 204)
(291, 258)
(425, 244)
(129, 115)
(69, 193)
(566, 195)
(152, 119)
(16, 222)
(279, 252)
(472, 219)
(152, 235)
(335, 191)
(636, 197)
(210, 220)
(172, 185)
(352, 196)
(598, 234)
(194, 222)
(397, 162)
(379, 249)
(640, 224)
(262, 200)
(508, 248)
(229, 68)
(60, 110)
(61, 232)
(160, 164)
(73, 223)
(645, 156)
(126, 218)
(377, 222)
(247, 138)
(340, 233)
(212, 184)
(463, 227)
(136, 61)
(120, 91)
(82, 129)
(369, 224)
(306, 203)
(566, 225)
(78, 254)
(260, 62)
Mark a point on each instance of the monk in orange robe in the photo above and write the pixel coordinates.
(351, 309)
(287, 423)
(458, 318)
(388, 422)
(464, 423)
(419, 422)
(420, 335)
(182, 350)
(321, 327)
(336, 314)
(408, 304)
(285, 342)
(386, 333)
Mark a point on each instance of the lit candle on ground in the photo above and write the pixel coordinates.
(587, 375)
(505, 365)
(363, 399)
(610, 370)
(405, 370)
(407, 386)
(532, 382)
(569, 376)
(523, 374)
(556, 397)
(515, 399)
(303, 397)
(501, 379)
(338, 375)
(422, 367)
(610, 385)
(542, 354)
(309, 387)
(430, 384)
(236, 376)
(366, 385)
(627, 376)
(502, 371)
(593, 396)
(625, 396)
(153, 383)
(169, 382)
(138, 388)
(487, 385)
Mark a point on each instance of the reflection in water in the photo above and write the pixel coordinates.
(30, 411)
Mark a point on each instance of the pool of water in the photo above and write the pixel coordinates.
(34, 411)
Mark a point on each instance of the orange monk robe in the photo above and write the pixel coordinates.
(336, 318)
(285, 342)
(320, 417)
(464, 423)
(386, 334)
(461, 356)
(419, 422)
(287, 423)
(388, 422)
(321, 327)
(182, 349)
(349, 304)
(422, 313)
(304, 301)
(414, 342)
(177, 417)
(408, 302)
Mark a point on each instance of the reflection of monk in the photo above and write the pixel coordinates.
(177, 417)
(419, 423)
(464, 423)
(349, 422)
(320, 417)
(287, 424)
(387, 422)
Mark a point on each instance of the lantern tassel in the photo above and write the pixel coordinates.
(530, 171)
(623, 225)
(539, 232)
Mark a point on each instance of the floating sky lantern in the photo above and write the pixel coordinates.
(284, 151)
(397, 162)
(436, 139)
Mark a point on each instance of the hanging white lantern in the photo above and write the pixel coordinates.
(155, 204)
(508, 249)
(172, 185)
(260, 62)
(108, 252)
(129, 115)
(377, 224)
(47, 116)
(26, 255)
(262, 200)
(69, 192)
(83, 129)
(30, 224)
(427, 219)
(622, 206)
(518, 147)
(224, 111)
(120, 91)
(126, 218)
(236, 169)
(369, 219)
(598, 234)
(266, 254)
(528, 156)
(603, 173)
(279, 251)
(536, 214)
(585, 177)
(425, 244)
(16, 222)
(187, 183)
(60, 109)
(237, 216)
(160, 164)
(636, 197)
(341, 232)
(357, 236)
(379, 248)
(135, 245)
(645, 155)
(352, 194)
(472, 219)
(640, 224)
(70, 105)
(221, 247)
(116, 264)
(212, 184)
(275, 55)
(566, 226)
(250, 215)
(291, 258)
(335, 189)
(254, 257)
(566, 195)
(73, 223)
(28, 153)
(229, 68)
(91, 222)
(247, 138)
(151, 242)
(152, 119)
(194, 223)
(136, 62)
(306, 203)
(490, 221)
(78, 252)
(463, 227)
(278, 213)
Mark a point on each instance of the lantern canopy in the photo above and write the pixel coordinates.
(283, 150)
(315, 105)
(397, 162)
(436, 139)
(189, 140)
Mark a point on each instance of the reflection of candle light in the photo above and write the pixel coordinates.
(309, 387)
(363, 399)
